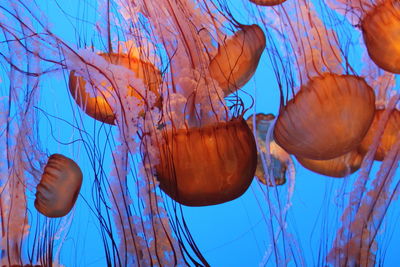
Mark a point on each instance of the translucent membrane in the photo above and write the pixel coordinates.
(327, 118)
(97, 106)
(278, 158)
(209, 165)
(267, 2)
(238, 58)
(389, 137)
(337, 167)
(59, 187)
(381, 31)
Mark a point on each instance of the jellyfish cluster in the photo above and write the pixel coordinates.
(123, 120)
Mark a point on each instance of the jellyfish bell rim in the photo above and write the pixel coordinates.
(267, 2)
(338, 167)
(300, 131)
(200, 188)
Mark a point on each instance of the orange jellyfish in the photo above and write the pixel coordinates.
(327, 118)
(97, 106)
(59, 187)
(381, 30)
(337, 167)
(238, 58)
(267, 2)
(208, 165)
(389, 136)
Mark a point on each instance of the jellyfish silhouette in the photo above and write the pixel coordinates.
(59, 187)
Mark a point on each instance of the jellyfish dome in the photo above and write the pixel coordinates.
(238, 58)
(327, 118)
(381, 31)
(59, 187)
(209, 165)
(93, 100)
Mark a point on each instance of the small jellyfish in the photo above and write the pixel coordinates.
(59, 187)
(208, 165)
(389, 137)
(337, 167)
(381, 31)
(238, 58)
(267, 2)
(97, 107)
(327, 118)
(279, 158)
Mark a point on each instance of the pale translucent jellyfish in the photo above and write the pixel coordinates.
(208, 165)
(337, 167)
(267, 2)
(327, 118)
(59, 186)
(389, 136)
(95, 103)
(237, 59)
(381, 31)
(279, 158)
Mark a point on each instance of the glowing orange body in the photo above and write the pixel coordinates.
(98, 107)
(209, 165)
(389, 137)
(381, 31)
(337, 167)
(328, 117)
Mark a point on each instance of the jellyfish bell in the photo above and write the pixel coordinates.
(389, 136)
(97, 107)
(59, 187)
(279, 158)
(237, 59)
(327, 118)
(208, 165)
(381, 32)
(267, 2)
(338, 167)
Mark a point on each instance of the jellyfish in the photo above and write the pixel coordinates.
(59, 187)
(238, 58)
(380, 28)
(97, 106)
(389, 136)
(200, 166)
(321, 111)
(267, 2)
(341, 166)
